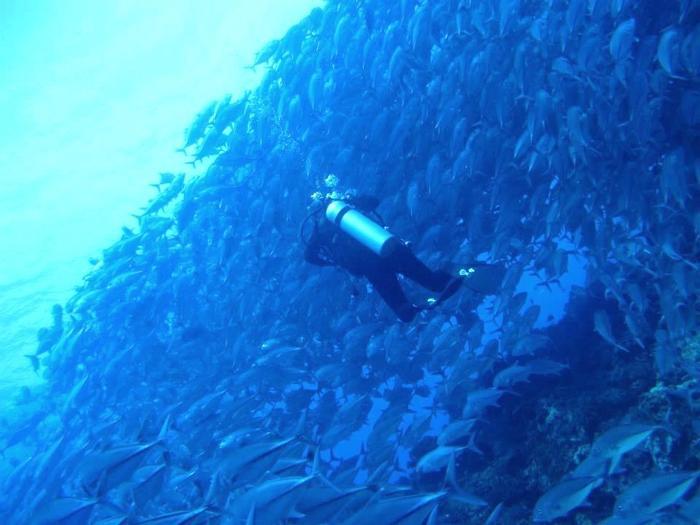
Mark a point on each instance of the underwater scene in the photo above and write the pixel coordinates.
(438, 264)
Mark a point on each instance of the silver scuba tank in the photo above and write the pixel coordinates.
(362, 228)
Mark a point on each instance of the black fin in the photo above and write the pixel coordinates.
(485, 279)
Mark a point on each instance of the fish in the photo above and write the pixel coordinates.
(574, 13)
(437, 459)
(457, 431)
(511, 376)
(269, 502)
(602, 326)
(267, 53)
(668, 50)
(401, 510)
(564, 497)
(174, 188)
(65, 510)
(251, 461)
(495, 516)
(348, 420)
(562, 66)
(507, 10)
(622, 39)
(322, 503)
(315, 90)
(147, 482)
(116, 520)
(479, 400)
(654, 493)
(108, 468)
(614, 443)
(459, 495)
(551, 141)
(181, 517)
(545, 366)
(196, 130)
(630, 520)
(674, 183)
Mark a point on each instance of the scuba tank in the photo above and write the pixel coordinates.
(361, 228)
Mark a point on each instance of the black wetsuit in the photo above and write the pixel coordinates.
(329, 246)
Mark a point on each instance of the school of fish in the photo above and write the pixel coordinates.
(204, 374)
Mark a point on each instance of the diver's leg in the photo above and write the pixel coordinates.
(404, 261)
(387, 286)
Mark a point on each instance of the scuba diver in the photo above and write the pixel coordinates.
(347, 237)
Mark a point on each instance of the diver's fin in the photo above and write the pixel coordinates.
(482, 278)
(450, 289)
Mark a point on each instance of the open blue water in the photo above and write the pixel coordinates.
(95, 100)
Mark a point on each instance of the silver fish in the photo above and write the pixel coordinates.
(654, 493)
(269, 502)
(564, 497)
(622, 39)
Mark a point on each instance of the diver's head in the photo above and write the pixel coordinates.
(332, 191)
(331, 181)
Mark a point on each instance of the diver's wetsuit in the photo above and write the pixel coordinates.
(329, 246)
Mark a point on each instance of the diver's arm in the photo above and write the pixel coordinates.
(312, 252)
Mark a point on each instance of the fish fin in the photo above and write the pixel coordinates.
(512, 392)
(34, 361)
(460, 495)
(295, 514)
(450, 474)
(100, 488)
(209, 496)
(328, 483)
(612, 466)
(621, 347)
(112, 506)
(472, 445)
(164, 429)
(495, 515)
(300, 434)
(433, 516)
(467, 498)
(667, 426)
(250, 519)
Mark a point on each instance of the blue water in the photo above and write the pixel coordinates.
(95, 101)
(170, 357)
